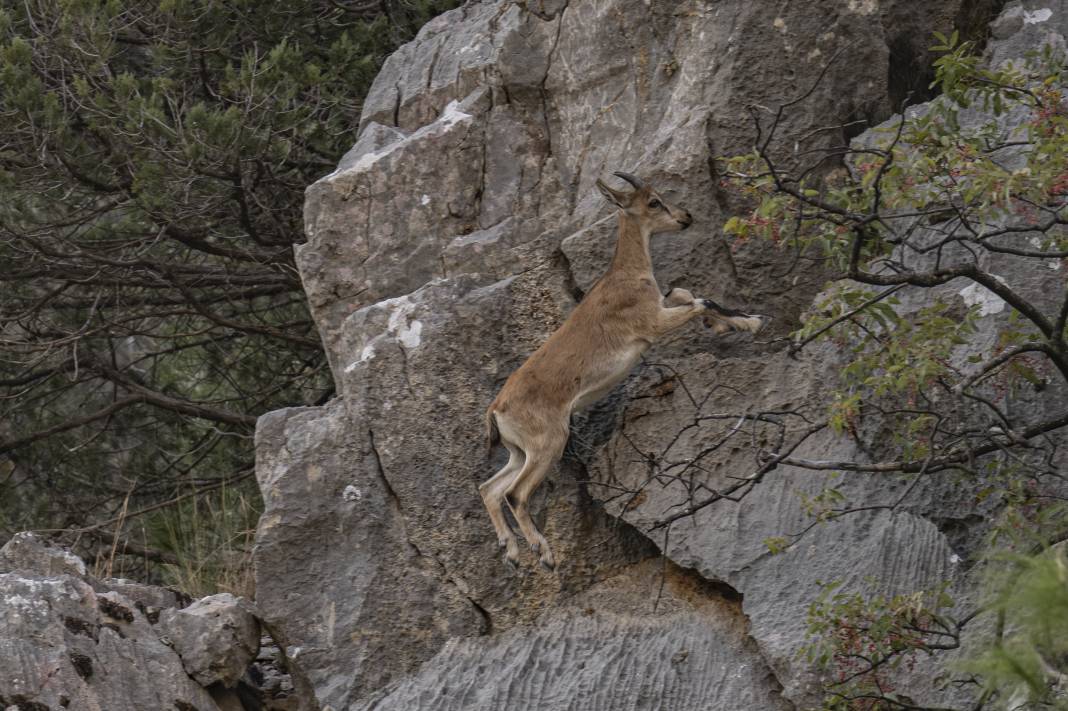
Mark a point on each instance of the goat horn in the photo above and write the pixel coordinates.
(638, 185)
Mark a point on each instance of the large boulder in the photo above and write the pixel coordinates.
(68, 641)
(217, 638)
(652, 637)
(453, 238)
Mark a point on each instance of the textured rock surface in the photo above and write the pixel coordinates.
(66, 641)
(690, 652)
(348, 588)
(25, 552)
(71, 640)
(452, 239)
(217, 637)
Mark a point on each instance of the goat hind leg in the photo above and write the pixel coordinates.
(492, 491)
(518, 494)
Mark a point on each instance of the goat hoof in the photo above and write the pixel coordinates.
(512, 563)
(536, 547)
(547, 561)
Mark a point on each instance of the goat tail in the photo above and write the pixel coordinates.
(493, 434)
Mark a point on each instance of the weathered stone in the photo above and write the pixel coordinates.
(28, 553)
(400, 564)
(918, 535)
(149, 599)
(690, 651)
(374, 138)
(64, 645)
(453, 239)
(357, 603)
(1024, 27)
(71, 640)
(217, 637)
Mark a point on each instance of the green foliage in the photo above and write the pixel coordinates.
(211, 537)
(152, 169)
(973, 179)
(776, 544)
(860, 640)
(1028, 661)
(926, 166)
(919, 172)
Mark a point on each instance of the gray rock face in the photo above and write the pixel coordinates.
(343, 585)
(26, 552)
(216, 637)
(66, 641)
(691, 652)
(452, 239)
(71, 640)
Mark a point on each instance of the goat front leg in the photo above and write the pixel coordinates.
(724, 320)
(678, 307)
(718, 318)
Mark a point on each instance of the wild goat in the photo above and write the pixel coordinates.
(594, 349)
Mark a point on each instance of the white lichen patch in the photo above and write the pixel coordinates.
(863, 7)
(31, 600)
(1053, 264)
(409, 337)
(16, 601)
(368, 160)
(425, 200)
(1036, 16)
(351, 494)
(366, 354)
(988, 302)
(406, 331)
(399, 325)
(451, 116)
(779, 24)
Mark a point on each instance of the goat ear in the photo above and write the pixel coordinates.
(616, 197)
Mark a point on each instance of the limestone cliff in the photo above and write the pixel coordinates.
(451, 240)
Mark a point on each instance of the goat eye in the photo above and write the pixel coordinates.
(655, 205)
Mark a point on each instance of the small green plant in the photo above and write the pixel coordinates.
(1026, 665)
(860, 640)
(153, 162)
(211, 537)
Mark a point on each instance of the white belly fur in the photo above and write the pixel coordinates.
(606, 374)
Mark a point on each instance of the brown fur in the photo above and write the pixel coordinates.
(595, 348)
(493, 435)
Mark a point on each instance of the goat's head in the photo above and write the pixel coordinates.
(645, 204)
